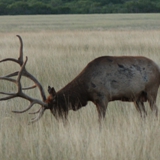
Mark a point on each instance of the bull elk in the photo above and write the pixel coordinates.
(105, 79)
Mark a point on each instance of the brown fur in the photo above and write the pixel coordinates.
(49, 99)
(105, 79)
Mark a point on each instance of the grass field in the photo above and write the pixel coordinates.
(58, 48)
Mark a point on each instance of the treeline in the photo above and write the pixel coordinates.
(17, 7)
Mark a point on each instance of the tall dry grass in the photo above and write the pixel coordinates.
(55, 58)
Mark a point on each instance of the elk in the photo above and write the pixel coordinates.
(126, 78)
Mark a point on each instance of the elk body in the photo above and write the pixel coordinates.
(105, 79)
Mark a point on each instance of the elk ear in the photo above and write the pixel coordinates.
(51, 91)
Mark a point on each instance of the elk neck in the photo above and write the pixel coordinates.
(73, 96)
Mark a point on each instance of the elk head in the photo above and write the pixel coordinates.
(58, 104)
(44, 103)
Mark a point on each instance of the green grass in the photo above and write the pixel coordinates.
(58, 48)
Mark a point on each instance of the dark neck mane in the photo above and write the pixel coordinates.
(73, 95)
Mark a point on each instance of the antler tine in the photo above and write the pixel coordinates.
(25, 110)
(9, 97)
(27, 88)
(20, 59)
(37, 84)
(41, 112)
(36, 111)
(12, 74)
(22, 69)
(8, 79)
(10, 59)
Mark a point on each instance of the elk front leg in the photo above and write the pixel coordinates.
(143, 108)
(153, 107)
(140, 108)
(101, 108)
(152, 102)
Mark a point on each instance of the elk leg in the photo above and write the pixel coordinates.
(138, 107)
(153, 106)
(143, 108)
(152, 95)
(101, 108)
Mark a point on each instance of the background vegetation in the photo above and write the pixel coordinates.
(58, 48)
(19, 7)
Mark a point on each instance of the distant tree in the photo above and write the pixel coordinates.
(3, 8)
(141, 6)
(40, 8)
(56, 3)
(19, 7)
(78, 6)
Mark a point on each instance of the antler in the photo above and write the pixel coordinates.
(19, 74)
